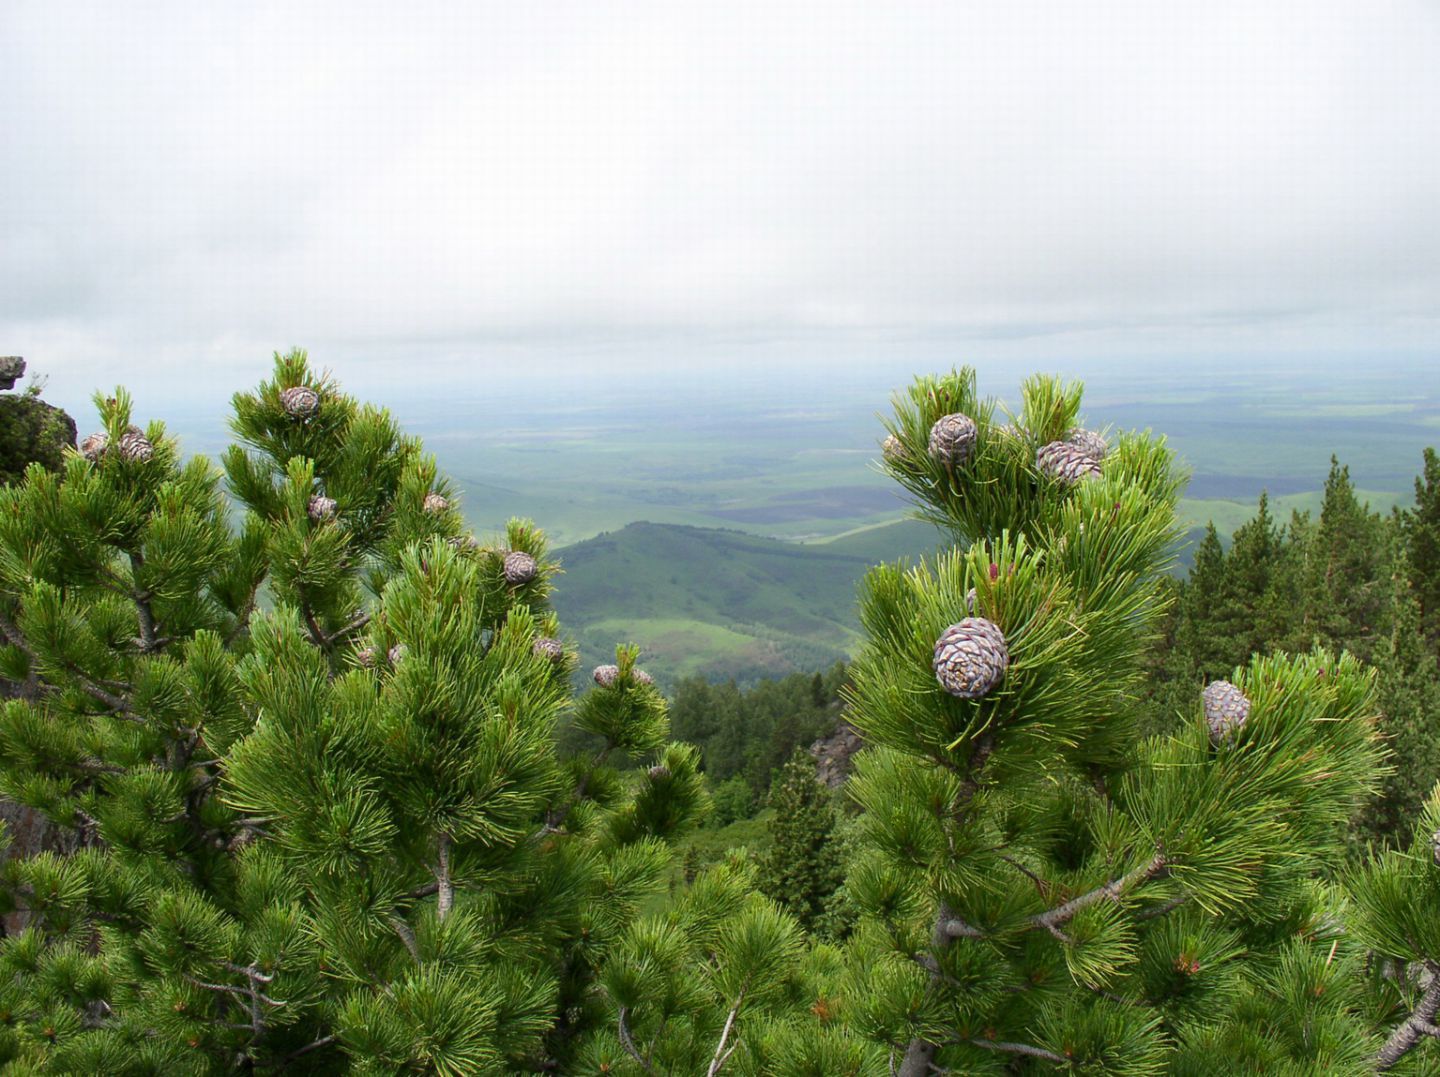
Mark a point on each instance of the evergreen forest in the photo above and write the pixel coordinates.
(302, 776)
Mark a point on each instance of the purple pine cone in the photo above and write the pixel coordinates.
(1226, 709)
(952, 439)
(971, 658)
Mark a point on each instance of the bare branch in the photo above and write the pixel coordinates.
(444, 887)
(1019, 1049)
(1114, 890)
(721, 1054)
(627, 1041)
(1418, 1024)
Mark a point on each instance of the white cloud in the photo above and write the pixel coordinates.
(186, 186)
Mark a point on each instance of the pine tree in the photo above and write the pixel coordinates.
(1408, 685)
(1420, 528)
(801, 869)
(332, 834)
(1038, 882)
(1345, 583)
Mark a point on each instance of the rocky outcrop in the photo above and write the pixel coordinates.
(31, 431)
(832, 754)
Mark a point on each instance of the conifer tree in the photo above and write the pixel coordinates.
(1039, 884)
(1420, 528)
(1408, 685)
(334, 834)
(801, 869)
(1344, 586)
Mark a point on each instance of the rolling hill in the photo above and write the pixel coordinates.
(723, 603)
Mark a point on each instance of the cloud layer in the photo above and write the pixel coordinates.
(184, 189)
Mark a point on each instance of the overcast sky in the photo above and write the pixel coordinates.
(406, 188)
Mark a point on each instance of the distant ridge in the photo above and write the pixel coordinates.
(723, 603)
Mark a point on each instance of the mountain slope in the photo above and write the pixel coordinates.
(722, 603)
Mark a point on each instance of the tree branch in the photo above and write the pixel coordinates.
(149, 635)
(17, 640)
(1019, 1049)
(721, 1054)
(627, 1041)
(1114, 890)
(1418, 1024)
(444, 887)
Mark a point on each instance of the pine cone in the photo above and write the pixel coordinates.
(1089, 442)
(606, 676)
(366, 657)
(1435, 847)
(300, 401)
(1065, 463)
(659, 772)
(1006, 430)
(135, 446)
(971, 658)
(519, 568)
(893, 449)
(463, 542)
(1226, 709)
(94, 446)
(321, 507)
(545, 647)
(639, 676)
(952, 439)
(970, 597)
(396, 653)
(435, 504)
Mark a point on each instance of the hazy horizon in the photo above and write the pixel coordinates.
(479, 195)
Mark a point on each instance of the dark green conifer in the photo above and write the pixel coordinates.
(801, 869)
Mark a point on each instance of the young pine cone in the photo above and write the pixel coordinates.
(606, 676)
(971, 658)
(1089, 442)
(300, 401)
(1065, 463)
(321, 507)
(952, 439)
(94, 446)
(659, 772)
(135, 446)
(396, 653)
(639, 676)
(546, 647)
(519, 568)
(435, 504)
(1226, 709)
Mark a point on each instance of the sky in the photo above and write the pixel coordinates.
(430, 196)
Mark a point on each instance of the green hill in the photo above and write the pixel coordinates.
(723, 603)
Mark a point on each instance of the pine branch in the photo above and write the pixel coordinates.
(150, 641)
(346, 629)
(307, 1048)
(1421, 1022)
(406, 936)
(1019, 1049)
(116, 704)
(444, 887)
(627, 1041)
(721, 1054)
(1114, 890)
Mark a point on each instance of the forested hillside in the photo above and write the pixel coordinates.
(724, 604)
